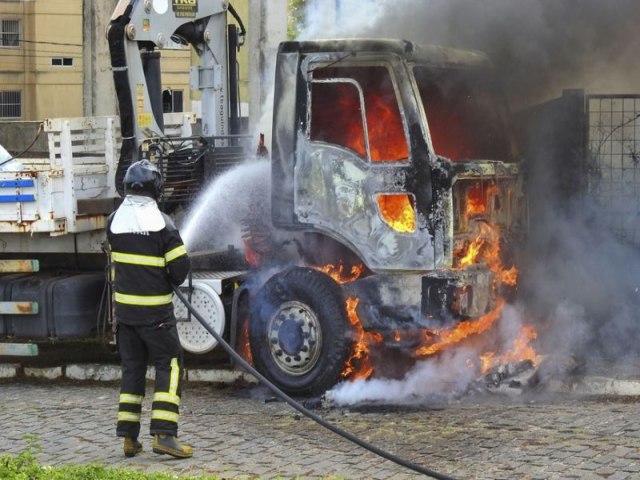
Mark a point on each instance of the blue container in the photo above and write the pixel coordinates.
(67, 305)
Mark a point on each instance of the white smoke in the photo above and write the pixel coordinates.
(448, 374)
(324, 20)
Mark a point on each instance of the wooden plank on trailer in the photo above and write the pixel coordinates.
(14, 266)
(95, 149)
(18, 308)
(19, 349)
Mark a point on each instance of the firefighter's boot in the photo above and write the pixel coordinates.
(132, 447)
(170, 445)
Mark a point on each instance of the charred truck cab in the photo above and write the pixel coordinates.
(389, 161)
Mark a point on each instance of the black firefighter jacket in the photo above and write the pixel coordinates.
(145, 265)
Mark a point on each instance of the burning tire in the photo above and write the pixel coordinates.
(300, 336)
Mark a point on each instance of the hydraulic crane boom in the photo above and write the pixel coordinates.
(138, 31)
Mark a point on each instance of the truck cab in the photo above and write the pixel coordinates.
(393, 160)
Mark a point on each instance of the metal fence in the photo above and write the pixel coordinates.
(614, 167)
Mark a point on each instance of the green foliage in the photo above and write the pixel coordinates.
(25, 467)
(296, 17)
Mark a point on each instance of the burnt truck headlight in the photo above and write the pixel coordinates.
(398, 211)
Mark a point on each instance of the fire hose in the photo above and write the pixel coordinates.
(299, 407)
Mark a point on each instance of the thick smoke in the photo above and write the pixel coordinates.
(584, 282)
(580, 281)
(539, 47)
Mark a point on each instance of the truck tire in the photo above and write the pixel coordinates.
(300, 335)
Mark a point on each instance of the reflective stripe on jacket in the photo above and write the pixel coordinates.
(146, 265)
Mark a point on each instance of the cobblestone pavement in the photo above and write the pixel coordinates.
(237, 434)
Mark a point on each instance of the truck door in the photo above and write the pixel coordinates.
(356, 174)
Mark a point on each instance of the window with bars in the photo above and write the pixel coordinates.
(10, 104)
(9, 33)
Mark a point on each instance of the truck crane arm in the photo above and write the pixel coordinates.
(138, 31)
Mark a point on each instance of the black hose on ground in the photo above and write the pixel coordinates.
(283, 396)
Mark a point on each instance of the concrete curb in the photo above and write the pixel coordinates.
(590, 385)
(598, 385)
(9, 370)
(112, 373)
(49, 373)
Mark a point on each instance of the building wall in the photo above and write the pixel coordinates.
(48, 30)
(13, 60)
(98, 89)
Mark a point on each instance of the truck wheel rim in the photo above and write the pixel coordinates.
(295, 338)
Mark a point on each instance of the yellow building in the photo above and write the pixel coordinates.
(41, 59)
(54, 61)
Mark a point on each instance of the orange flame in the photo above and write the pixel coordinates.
(521, 351)
(456, 334)
(337, 272)
(471, 256)
(243, 344)
(337, 113)
(397, 210)
(252, 257)
(486, 248)
(386, 134)
(359, 365)
(479, 194)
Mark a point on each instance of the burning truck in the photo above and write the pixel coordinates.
(395, 175)
(394, 202)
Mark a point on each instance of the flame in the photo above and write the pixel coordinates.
(451, 336)
(521, 351)
(252, 257)
(337, 113)
(243, 344)
(337, 272)
(358, 365)
(398, 212)
(486, 248)
(386, 134)
(471, 256)
(479, 194)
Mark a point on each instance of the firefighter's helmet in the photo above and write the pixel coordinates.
(143, 178)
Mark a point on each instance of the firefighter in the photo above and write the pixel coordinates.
(148, 257)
